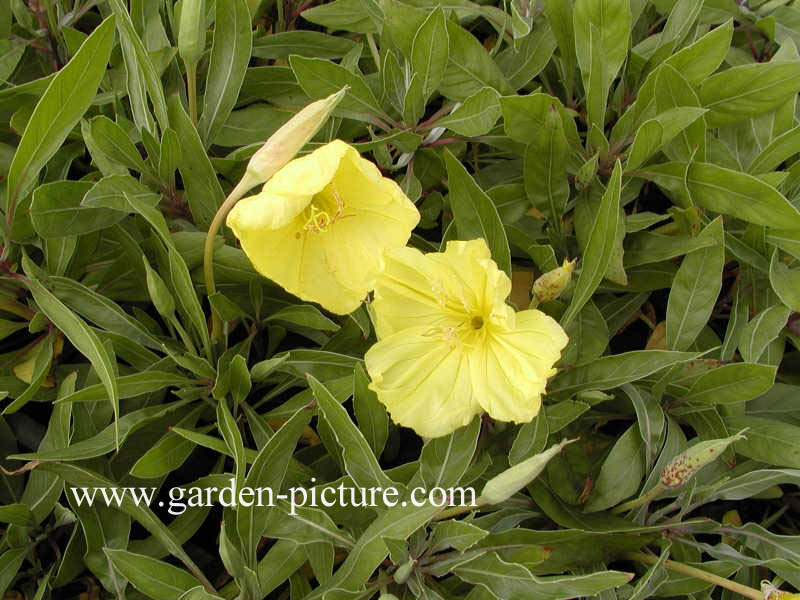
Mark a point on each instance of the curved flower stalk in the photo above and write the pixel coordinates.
(450, 347)
(320, 225)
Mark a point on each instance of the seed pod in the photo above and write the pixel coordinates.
(284, 144)
(684, 466)
(192, 31)
(501, 487)
(550, 285)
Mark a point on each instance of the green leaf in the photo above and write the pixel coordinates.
(785, 282)
(115, 144)
(778, 150)
(66, 99)
(202, 186)
(106, 440)
(695, 289)
(143, 79)
(83, 338)
(81, 477)
(761, 330)
(444, 460)
(346, 15)
(526, 59)
(370, 550)
(612, 20)
(268, 471)
(597, 254)
(229, 430)
(730, 192)
(305, 315)
(430, 52)
(612, 371)
(509, 581)
(373, 420)
(10, 562)
(17, 514)
(657, 132)
(545, 170)
(360, 462)
(770, 442)
(744, 91)
(731, 384)
(102, 311)
(475, 214)
(476, 115)
(470, 67)
(230, 55)
(700, 59)
(621, 473)
(311, 44)
(154, 578)
(321, 78)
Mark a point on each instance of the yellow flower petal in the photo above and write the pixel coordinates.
(443, 316)
(423, 381)
(438, 289)
(510, 371)
(320, 225)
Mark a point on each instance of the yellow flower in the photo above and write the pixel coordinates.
(450, 347)
(319, 226)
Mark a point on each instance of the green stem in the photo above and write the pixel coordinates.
(637, 502)
(737, 588)
(374, 51)
(191, 90)
(455, 511)
(208, 250)
(281, 24)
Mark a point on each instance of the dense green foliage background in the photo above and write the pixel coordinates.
(655, 140)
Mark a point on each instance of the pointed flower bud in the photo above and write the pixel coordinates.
(192, 30)
(284, 144)
(501, 487)
(684, 466)
(550, 285)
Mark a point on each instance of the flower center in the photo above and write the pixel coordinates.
(477, 322)
(325, 209)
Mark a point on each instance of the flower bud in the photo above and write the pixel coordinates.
(284, 144)
(404, 571)
(192, 30)
(684, 466)
(501, 487)
(550, 285)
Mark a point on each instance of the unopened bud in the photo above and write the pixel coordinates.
(684, 466)
(192, 30)
(550, 285)
(501, 487)
(284, 144)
